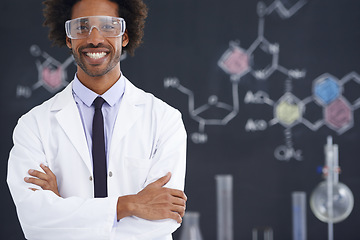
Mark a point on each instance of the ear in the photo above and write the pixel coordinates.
(68, 42)
(125, 39)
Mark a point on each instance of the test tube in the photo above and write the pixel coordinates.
(224, 185)
(267, 233)
(299, 215)
(330, 151)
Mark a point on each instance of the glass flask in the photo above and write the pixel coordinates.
(343, 202)
(190, 229)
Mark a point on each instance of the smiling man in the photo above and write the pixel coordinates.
(102, 159)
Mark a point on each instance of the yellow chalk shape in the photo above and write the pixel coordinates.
(287, 113)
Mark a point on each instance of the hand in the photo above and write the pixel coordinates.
(155, 202)
(46, 181)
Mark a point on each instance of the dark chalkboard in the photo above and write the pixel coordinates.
(260, 85)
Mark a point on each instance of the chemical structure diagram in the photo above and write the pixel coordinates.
(52, 74)
(289, 110)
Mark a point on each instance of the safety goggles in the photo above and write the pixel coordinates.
(80, 28)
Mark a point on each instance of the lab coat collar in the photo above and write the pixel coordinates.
(69, 118)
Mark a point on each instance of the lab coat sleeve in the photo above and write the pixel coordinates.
(42, 214)
(169, 156)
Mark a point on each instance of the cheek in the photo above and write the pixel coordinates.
(117, 45)
(73, 45)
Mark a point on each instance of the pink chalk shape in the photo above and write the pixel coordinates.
(52, 77)
(237, 62)
(338, 114)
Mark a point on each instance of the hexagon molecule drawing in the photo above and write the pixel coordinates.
(52, 74)
(288, 110)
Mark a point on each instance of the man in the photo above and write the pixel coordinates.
(70, 178)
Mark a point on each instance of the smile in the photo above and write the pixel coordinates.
(96, 55)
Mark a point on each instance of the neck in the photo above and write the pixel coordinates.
(99, 84)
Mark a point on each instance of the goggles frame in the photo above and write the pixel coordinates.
(99, 26)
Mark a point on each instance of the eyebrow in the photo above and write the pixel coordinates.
(86, 20)
(83, 20)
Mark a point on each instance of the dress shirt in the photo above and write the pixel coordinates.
(84, 97)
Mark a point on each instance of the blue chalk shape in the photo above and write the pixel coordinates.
(319, 169)
(327, 90)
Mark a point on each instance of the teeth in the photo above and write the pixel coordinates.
(96, 55)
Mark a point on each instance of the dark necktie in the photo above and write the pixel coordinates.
(98, 151)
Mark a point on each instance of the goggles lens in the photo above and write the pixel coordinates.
(79, 28)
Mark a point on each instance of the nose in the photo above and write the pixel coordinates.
(95, 36)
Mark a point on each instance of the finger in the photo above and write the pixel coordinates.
(39, 182)
(176, 216)
(177, 193)
(38, 174)
(179, 201)
(163, 180)
(178, 209)
(47, 170)
(34, 189)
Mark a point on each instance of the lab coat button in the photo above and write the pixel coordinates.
(110, 174)
(90, 178)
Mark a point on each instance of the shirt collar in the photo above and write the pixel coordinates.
(111, 96)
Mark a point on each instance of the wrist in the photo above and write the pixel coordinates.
(125, 206)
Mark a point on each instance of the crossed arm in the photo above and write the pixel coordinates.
(154, 202)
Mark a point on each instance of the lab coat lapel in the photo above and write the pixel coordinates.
(129, 112)
(69, 119)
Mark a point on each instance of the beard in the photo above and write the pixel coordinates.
(96, 70)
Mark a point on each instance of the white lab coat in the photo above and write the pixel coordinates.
(149, 140)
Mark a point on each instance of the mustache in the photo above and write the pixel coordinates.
(90, 45)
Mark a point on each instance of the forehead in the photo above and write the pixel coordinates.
(86, 8)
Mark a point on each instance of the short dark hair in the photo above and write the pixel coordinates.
(134, 12)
